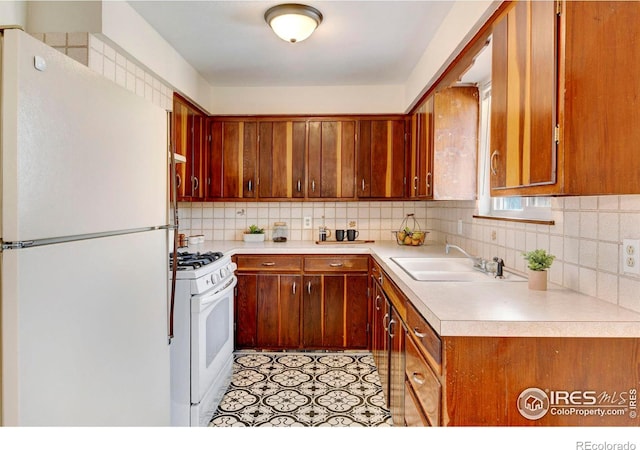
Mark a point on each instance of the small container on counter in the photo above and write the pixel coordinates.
(280, 232)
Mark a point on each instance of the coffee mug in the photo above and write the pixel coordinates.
(352, 235)
(339, 235)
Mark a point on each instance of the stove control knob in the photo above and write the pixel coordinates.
(214, 278)
(223, 272)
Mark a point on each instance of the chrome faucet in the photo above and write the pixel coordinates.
(478, 263)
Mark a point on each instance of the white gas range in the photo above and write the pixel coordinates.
(202, 345)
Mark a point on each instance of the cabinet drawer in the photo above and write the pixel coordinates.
(336, 263)
(269, 263)
(424, 383)
(428, 340)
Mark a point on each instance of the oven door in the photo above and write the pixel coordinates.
(211, 344)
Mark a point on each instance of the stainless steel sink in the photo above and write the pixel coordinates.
(448, 269)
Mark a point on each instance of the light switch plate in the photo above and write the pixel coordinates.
(631, 256)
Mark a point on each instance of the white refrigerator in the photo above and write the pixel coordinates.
(85, 244)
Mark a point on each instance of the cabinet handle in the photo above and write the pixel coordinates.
(309, 287)
(179, 180)
(363, 185)
(415, 184)
(335, 264)
(418, 334)
(380, 279)
(378, 298)
(313, 185)
(299, 185)
(196, 183)
(391, 333)
(268, 264)
(385, 326)
(418, 377)
(250, 186)
(494, 155)
(293, 288)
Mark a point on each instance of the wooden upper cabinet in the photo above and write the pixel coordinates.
(421, 163)
(444, 145)
(233, 159)
(189, 141)
(381, 159)
(281, 159)
(331, 159)
(601, 112)
(455, 143)
(564, 99)
(523, 98)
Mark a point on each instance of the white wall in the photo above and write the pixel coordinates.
(13, 13)
(308, 100)
(63, 16)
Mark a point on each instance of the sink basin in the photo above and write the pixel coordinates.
(448, 269)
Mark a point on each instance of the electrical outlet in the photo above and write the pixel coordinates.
(306, 223)
(459, 226)
(630, 256)
(352, 224)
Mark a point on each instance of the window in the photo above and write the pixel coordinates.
(532, 208)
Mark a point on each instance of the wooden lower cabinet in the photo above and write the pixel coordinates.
(279, 306)
(335, 312)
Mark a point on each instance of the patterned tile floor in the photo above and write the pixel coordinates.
(303, 390)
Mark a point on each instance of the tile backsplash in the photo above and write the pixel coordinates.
(586, 237)
(228, 220)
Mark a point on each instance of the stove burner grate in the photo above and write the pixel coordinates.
(192, 261)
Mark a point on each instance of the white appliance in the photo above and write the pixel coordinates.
(202, 347)
(85, 239)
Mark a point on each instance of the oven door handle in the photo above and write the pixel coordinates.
(202, 302)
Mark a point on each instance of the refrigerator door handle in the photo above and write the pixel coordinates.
(173, 212)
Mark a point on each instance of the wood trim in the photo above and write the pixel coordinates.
(513, 219)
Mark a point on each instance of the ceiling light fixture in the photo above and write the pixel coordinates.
(293, 22)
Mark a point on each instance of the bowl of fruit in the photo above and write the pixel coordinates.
(410, 232)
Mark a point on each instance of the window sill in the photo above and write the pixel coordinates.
(510, 219)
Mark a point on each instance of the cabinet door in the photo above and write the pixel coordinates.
(312, 312)
(189, 141)
(289, 311)
(331, 156)
(524, 98)
(268, 315)
(381, 338)
(381, 159)
(246, 309)
(233, 159)
(281, 159)
(356, 312)
(455, 143)
(397, 334)
(421, 162)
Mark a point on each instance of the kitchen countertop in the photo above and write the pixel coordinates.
(501, 309)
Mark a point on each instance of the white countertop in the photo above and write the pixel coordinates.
(492, 308)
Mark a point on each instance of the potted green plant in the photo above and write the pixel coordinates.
(254, 234)
(538, 261)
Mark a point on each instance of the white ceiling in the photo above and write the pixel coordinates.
(358, 43)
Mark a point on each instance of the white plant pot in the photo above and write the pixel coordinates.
(247, 237)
